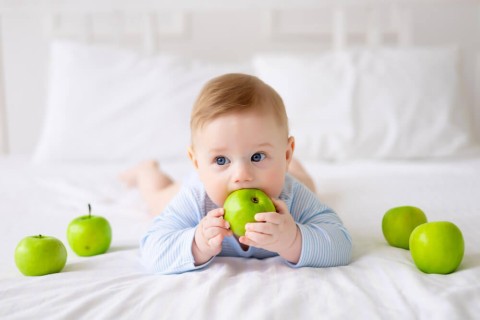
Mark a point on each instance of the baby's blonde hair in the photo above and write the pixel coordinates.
(236, 92)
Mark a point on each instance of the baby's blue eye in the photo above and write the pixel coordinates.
(257, 157)
(221, 160)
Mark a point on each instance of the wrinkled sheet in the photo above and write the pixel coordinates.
(381, 282)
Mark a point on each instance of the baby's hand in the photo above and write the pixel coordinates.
(209, 236)
(276, 232)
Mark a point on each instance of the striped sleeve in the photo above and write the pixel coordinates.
(167, 246)
(325, 241)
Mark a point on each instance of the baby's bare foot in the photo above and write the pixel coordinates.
(131, 175)
(162, 179)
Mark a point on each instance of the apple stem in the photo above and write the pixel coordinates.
(89, 210)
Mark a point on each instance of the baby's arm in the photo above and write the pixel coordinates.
(325, 240)
(311, 235)
(167, 245)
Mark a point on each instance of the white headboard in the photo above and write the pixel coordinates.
(215, 30)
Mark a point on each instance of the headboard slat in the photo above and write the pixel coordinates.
(339, 28)
(402, 19)
(374, 30)
(149, 34)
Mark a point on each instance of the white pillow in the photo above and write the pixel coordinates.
(317, 92)
(386, 103)
(107, 104)
(409, 104)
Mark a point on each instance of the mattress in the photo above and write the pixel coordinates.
(380, 282)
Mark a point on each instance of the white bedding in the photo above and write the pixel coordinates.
(381, 282)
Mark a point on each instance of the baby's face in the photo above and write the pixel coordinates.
(241, 150)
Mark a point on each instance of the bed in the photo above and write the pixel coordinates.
(385, 113)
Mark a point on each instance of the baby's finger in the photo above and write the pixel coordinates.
(272, 217)
(214, 231)
(259, 238)
(215, 223)
(267, 228)
(248, 242)
(280, 205)
(216, 213)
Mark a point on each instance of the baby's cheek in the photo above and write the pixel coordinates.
(217, 196)
(214, 187)
(274, 185)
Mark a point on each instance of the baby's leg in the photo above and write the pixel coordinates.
(155, 186)
(298, 171)
(158, 200)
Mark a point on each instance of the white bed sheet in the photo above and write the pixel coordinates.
(381, 282)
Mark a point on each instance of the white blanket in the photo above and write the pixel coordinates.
(381, 282)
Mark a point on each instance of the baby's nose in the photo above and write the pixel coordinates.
(243, 173)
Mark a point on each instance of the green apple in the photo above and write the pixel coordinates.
(89, 235)
(399, 222)
(437, 247)
(242, 205)
(40, 255)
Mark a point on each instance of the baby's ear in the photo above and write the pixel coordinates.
(290, 149)
(192, 157)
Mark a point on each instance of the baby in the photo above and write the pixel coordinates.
(239, 139)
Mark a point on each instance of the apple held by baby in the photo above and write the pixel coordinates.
(242, 205)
